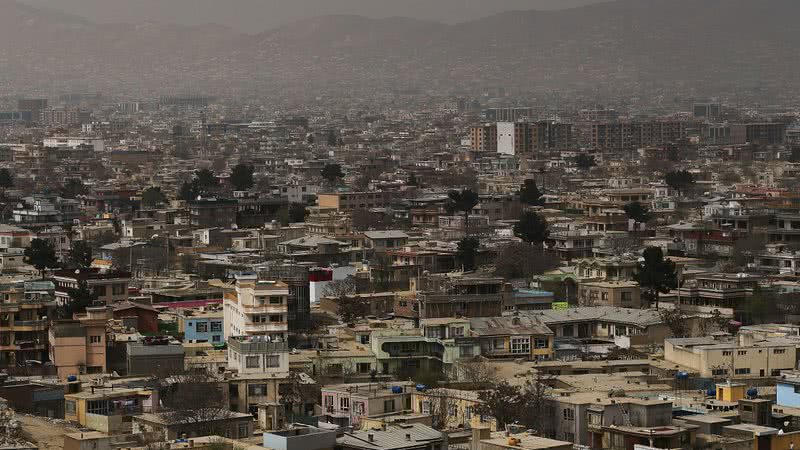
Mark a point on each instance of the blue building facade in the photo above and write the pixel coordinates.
(789, 393)
(204, 328)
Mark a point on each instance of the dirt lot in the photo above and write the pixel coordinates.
(46, 434)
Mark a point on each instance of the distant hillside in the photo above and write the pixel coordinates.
(627, 44)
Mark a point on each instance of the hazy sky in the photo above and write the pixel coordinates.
(258, 15)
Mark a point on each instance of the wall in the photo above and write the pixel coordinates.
(787, 396)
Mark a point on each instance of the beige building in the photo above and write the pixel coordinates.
(348, 201)
(626, 294)
(257, 308)
(79, 346)
(713, 356)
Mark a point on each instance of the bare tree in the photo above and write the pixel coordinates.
(441, 405)
(476, 371)
(197, 400)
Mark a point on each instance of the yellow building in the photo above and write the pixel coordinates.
(108, 410)
(451, 408)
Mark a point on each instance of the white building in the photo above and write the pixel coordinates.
(506, 139)
(257, 308)
(64, 142)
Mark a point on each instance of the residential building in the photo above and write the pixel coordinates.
(723, 356)
(24, 310)
(232, 425)
(394, 437)
(203, 326)
(301, 437)
(466, 297)
(517, 336)
(111, 287)
(626, 294)
(108, 410)
(257, 355)
(348, 201)
(257, 308)
(349, 404)
(78, 346)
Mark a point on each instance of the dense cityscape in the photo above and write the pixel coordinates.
(384, 243)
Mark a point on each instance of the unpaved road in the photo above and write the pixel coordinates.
(47, 435)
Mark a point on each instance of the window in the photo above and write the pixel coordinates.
(69, 406)
(275, 318)
(256, 389)
(252, 362)
(521, 345)
(273, 361)
(569, 414)
(243, 431)
(719, 372)
(540, 342)
(742, 371)
(275, 300)
(456, 331)
(779, 351)
(363, 367)
(216, 326)
(465, 351)
(216, 338)
(202, 327)
(94, 339)
(727, 353)
(388, 406)
(797, 389)
(742, 352)
(344, 403)
(118, 289)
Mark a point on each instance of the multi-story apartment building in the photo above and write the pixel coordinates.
(257, 308)
(78, 346)
(110, 287)
(483, 138)
(626, 294)
(24, 310)
(519, 138)
(466, 297)
(350, 404)
(628, 136)
(348, 201)
(205, 326)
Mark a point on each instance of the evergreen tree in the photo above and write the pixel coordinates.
(467, 254)
(42, 255)
(464, 201)
(529, 194)
(656, 275)
(532, 228)
(242, 177)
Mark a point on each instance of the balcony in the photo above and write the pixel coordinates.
(241, 345)
(265, 309)
(267, 327)
(30, 325)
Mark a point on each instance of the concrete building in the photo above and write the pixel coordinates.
(24, 310)
(79, 346)
(67, 142)
(394, 437)
(205, 326)
(350, 404)
(626, 294)
(301, 437)
(256, 355)
(257, 308)
(231, 424)
(748, 357)
(110, 287)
